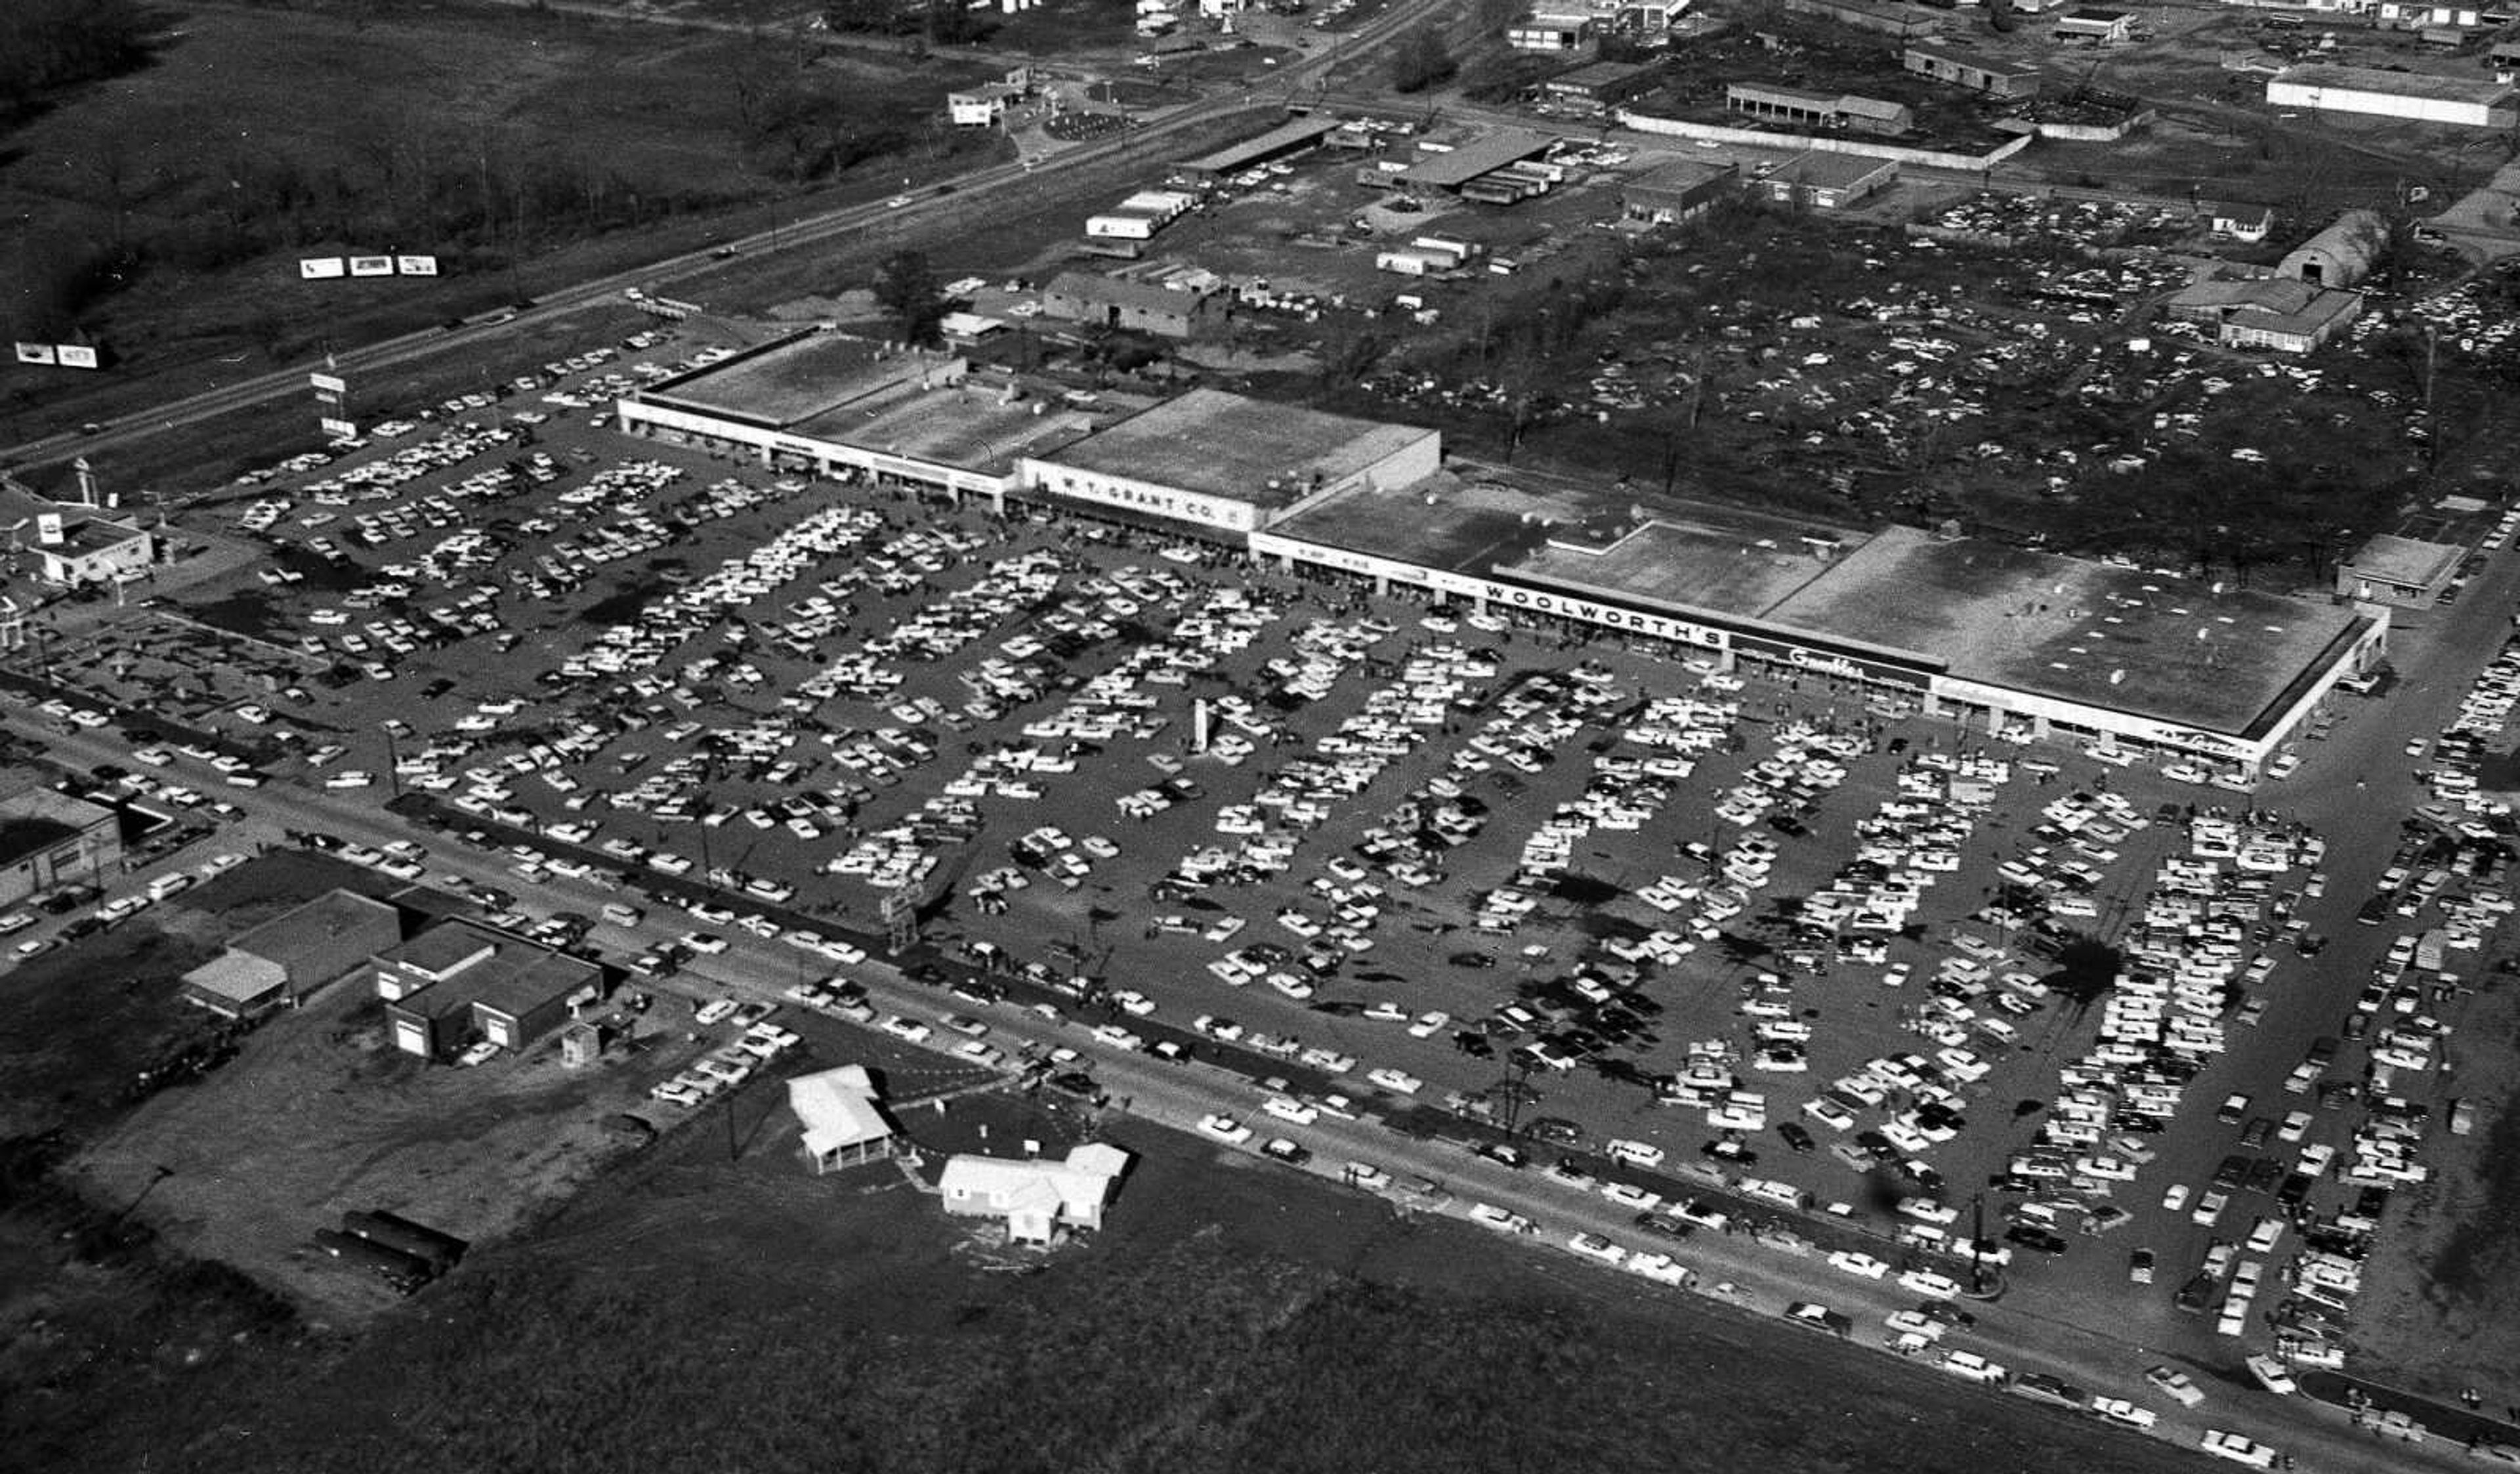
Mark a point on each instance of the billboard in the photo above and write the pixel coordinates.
(328, 383)
(78, 356)
(372, 266)
(318, 268)
(60, 355)
(48, 528)
(38, 353)
(338, 430)
(416, 266)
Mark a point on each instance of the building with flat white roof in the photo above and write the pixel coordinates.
(2418, 97)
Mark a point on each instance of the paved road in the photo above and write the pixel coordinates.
(1754, 1279)
(665, 276)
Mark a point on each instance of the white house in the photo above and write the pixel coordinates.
(843, 1124)
(1037, 1198)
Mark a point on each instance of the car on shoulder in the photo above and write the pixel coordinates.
(2139, 1267)
(1290, 1152)
(1819, 1317)
(2124, 1414)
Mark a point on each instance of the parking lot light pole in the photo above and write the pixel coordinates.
(394, 762)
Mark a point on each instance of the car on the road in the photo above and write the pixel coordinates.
(1287, 1151)
(2272, 1375)
(1969, 1365)
(1819, 1317)
(2237, 1449)
(1490, 1216)
(2124, 1414)
(2177, 1385)
(2139, 1267)
(2175, 1198)
(1225, 1129)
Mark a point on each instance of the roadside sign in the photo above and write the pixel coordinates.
(318, 268)
(329, 384)
(416, 266)
(372, 266)
(38, 353)
(76, 356)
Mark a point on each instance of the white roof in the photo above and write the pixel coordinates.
(1076, 1186)
(238, 977)
(839, 1108)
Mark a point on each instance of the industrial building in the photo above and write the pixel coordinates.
(2398, 572)
(1291, 138)
(2096, 27)
(281, 961)
(2284, 314)
(49, 839)
(1975, 70)
(1819, 111)
(1679, 190)
(1496, 168)
(1100, 301)
(1603, 84)
(1549, 34)
(460, 977)
(1828, 181)
(2418, 97)
(2342, 254)
(1223, 463)
(1904, 22)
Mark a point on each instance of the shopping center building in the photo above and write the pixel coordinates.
(2003, 638)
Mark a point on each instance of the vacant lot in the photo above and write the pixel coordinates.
(839, 1315)
(162, 213)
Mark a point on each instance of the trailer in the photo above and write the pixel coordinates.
(439, 1251)
(405, 1273)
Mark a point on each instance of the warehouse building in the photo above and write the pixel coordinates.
(1226, 463)
(2398, 572)
(1291, 138)
(1472, 169)
(1549, 34)
(279, 963)
(1819, 111)
(1904, 21)
(1975, 70)
(49, 839)
(459, 977)
(1090, 300)
(2416, 97)
(1676, 191)
(2283, 314)
(2342, 254)
(2096, 27)
(1828, 181)
(1602, 85)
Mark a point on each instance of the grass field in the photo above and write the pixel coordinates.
(162, 213)
(692, 1313)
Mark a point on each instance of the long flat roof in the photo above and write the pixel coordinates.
(1291, 134)
(781, 385)
(2150, 645)
(965, 426)
(2404, 560)
(1224, 445)
(2484, 91)
(1479, 155)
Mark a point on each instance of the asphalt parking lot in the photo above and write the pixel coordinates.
(1768, 933)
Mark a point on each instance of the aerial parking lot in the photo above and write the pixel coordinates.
(1726, 950)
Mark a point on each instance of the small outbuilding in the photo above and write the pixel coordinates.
(2398, 572)
(1680, 190)
(844, 1124)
